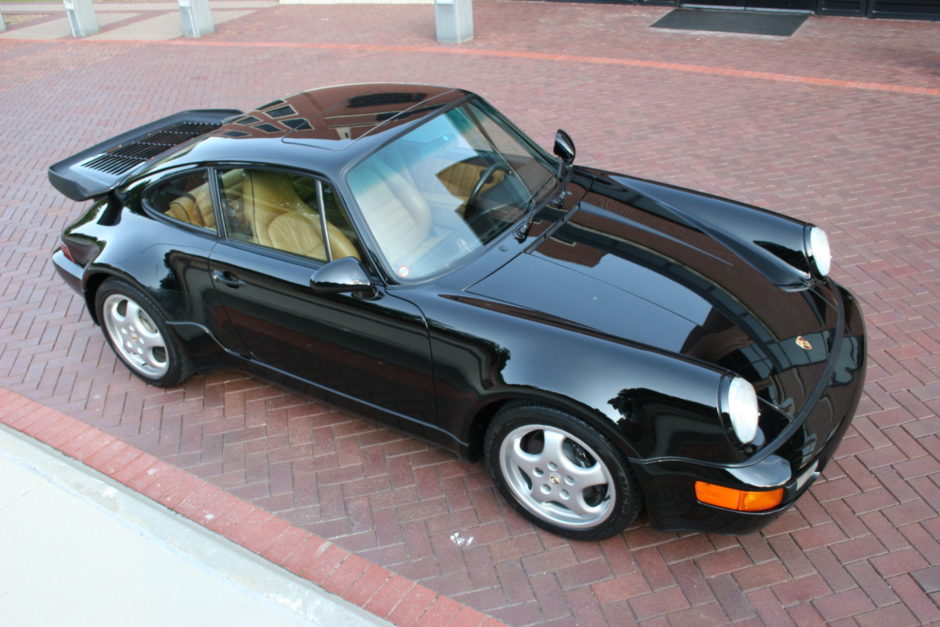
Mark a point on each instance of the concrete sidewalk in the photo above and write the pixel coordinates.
(81, 549)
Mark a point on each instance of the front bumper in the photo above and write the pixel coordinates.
(668, 484)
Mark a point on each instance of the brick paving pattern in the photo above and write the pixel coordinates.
(858, 152)
(336, 570)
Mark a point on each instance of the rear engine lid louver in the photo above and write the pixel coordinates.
(125, 157)
(100, 168)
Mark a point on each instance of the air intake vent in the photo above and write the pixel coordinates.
(111, 164)
(127, 156)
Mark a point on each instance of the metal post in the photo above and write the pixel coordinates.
(82, 20)
(3, 25)
(454, 20)
(196, 18)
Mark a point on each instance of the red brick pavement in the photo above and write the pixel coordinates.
(860, 547)
(385, 594)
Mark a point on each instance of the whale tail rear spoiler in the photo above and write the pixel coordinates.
(99, 169)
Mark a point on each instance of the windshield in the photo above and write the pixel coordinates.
(447, 188)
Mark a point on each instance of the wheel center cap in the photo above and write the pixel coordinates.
(555, 479)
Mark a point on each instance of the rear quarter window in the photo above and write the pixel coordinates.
(186, 198)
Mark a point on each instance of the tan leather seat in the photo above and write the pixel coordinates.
(195, 208)
(281, 219)
(398, 215)
(300, 234)
(267, 195)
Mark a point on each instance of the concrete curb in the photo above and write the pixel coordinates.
(81, 545)
(366, 585)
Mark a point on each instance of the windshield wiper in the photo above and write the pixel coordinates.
(533, 206)
(564, 150)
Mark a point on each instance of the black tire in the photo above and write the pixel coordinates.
(578, 486)
(138, 334)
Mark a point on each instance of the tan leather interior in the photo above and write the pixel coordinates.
(232, 191)
(397, 213)
(267, 195)
(300, 234)
(280, 218)
(459, 179)
(196, 208)
(270, 211)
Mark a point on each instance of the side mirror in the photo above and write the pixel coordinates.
(564, 147)
(344, 275)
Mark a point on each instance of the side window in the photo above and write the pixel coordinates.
(186, 198)
(281, 210)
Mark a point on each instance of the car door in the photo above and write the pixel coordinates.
(374, 350)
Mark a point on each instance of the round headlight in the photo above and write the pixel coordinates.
(817, 250)
(740, 404)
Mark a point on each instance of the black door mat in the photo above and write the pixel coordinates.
(749, 22)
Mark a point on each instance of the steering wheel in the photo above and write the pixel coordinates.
(470, 208)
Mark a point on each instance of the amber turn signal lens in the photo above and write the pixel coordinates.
(740, 500)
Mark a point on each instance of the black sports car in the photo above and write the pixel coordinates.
(602, 341)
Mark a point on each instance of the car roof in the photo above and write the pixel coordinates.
(343, 122)
(334, 117)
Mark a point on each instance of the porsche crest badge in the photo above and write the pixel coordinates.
(803, 343)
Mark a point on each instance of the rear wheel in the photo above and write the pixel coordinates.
(560, 473)
(138, 334)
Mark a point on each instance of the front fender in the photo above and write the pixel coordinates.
(652, 404)
(771, 242)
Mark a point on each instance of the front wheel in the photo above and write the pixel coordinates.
(560, 473)
(138, 333)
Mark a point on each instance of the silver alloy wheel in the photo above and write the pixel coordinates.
(565, 482)
(135, 336)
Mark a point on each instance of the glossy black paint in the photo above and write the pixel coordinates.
(627, 304)
(343, 276)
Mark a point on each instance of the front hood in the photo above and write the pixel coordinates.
(626, 265)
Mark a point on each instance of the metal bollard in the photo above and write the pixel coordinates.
(82, 20)
(196, 18)
(3, 25)
(454, 20)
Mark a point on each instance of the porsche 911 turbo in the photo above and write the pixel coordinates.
(603, 342)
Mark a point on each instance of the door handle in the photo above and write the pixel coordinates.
(227, 278)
